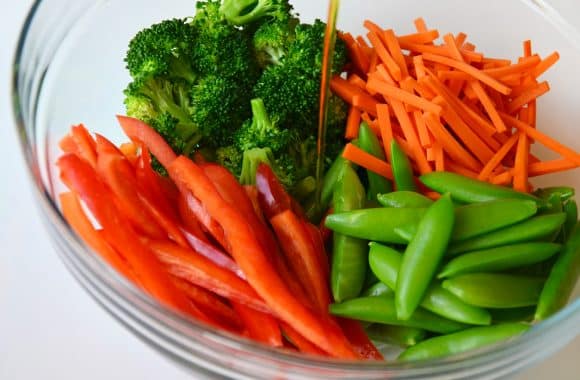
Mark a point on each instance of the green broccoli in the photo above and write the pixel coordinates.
(243, 12)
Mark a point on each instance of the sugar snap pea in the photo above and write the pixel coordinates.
(495, 290)
(377, 224)
(518, 314)
(499, 258)
(423, 255)
(553, 204)
(402, 170)
(562, 279)
(382, 310)
(386, 262)
(401, 199)
(571, 210)
(563, 192)
(535, 228)
(367, 141)
(402, 336)
(479, 218)
(468, 190)
(349, 255)
(462, 341)
(378, 289)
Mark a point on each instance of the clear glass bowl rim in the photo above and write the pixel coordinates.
(169, 324)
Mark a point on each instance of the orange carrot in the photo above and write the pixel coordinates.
(395, 50)
(545, 64)
(386, 128)
(528, 96)
(521, 163)
(420, 37)
(352, 123)
(392, 92)
(385, 56)
(368, 161)
(497, 158)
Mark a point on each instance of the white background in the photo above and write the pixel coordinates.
(51, 329)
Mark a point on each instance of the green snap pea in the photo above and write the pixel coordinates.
(553, 205)
(563, 192)
(562, 279)
(377, 224)
(423, 255)
(479, 218)
(402, 336)
(376, 290)
(386, 262)
(495, 290)
(499, 258)
(402, 170)
(382, 310)
(369, 143)
(571, 210)
(468, 190)
(535, 228)
(349, 255)
(518, 314)
(401, 199)
(462, 341)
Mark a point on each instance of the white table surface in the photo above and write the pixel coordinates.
(49, 327)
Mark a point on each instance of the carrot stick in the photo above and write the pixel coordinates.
(386, 128)
(419, 66)
(467, 68)
(384, 55)
(357, 81)
(545, 64)
(497, 158)
(488, 106)
(439, 157)
(395, 49)
(420, 37)
(368, 161)
(457, 168)
(411, 136)
(392, 92)
(504, 179)
(359, 58)
(545, 140)
(520, 182)
(527, 97)
(352, 123)
(420, 24)
(365, 103)
(439, 51)
(525, 64)
(449, 144)
(424, 136)
(548, 167)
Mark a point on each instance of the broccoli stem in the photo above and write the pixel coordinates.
(253, 158)
(260, 114)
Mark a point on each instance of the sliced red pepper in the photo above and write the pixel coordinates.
(197, 210)
(211, 305)
(359, 339)
(272, 196)
(301, 254)
(80, 223)
(137, 130)
(116, 171)
(251, 257)
(68, 145)
(85, 143)
(197, 269)
(204, 248)
(325, 232)
(316, 239)
(189, 219)
(80, 177)
(302, 344)
(261, 327)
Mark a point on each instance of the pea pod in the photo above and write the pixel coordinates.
(423, 255)
(494, 290)
(562, 279)
(553, 205)
(367, 141)
(499, 258)
(563, 192)
(386, 263)
(468, 190)
(480, 218)
(518, 314)
(536, 228)
(571, 210)
(377, 224)
(382, 310)
(349, 255)
(402, 170)
(462, 341)
(402, 336)
(376, 290)
(401, 199)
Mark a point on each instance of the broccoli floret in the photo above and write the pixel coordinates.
(283, 166)
(229, 157)
(260, 131)
(272, 39)
(243, 12)
(164, 49)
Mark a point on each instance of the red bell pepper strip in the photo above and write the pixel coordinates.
(271, 194)
(80, 177)
(261, 327)
(211, 305)
(318, 243)
(85, 143)
(359, 339)
(137, 130)
(197, 269)
(113, 168)
(302, 344)
(68, 145)
(194, 209)
(251, 257)
(189, 220)
(80, 223)
(302, 257)
(214, 254)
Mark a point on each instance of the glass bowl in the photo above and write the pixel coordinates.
(69, 68)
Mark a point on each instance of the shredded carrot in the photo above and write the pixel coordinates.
(545, 64)
(497, 158)
(395, 49)
(393, 92)
(384, 55)
(411, 136)
(420, 37)
(528, 96)
(521, 163)
(352, 123)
